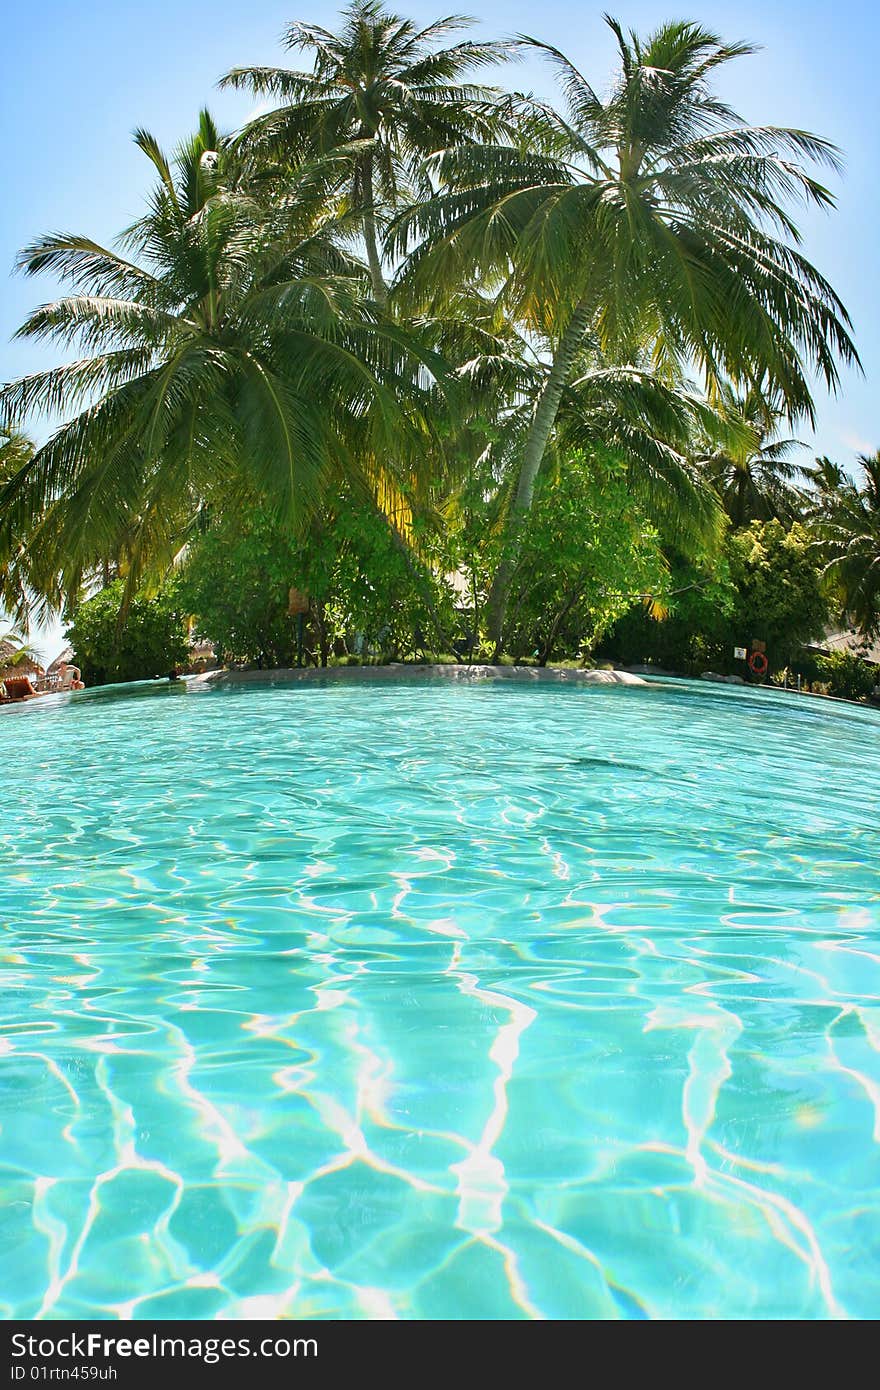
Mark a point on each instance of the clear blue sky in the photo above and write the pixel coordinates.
(76, 79)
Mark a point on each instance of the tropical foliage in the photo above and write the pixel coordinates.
(386, 93)
(652, 218)
(848, 523)
(153, 641)
(233, 348)
(755, 479)
(586, 554)
(846, 675)
(765, 586)
(237, 580)
(367, 592)
(780, 598)
(17, 558)
(473, 373)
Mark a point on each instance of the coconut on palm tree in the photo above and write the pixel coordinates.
(654, 216)
(390, 92)
(222, 341)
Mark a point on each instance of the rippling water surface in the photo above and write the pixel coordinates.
(440, 1001)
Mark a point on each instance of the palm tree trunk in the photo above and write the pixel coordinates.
(534, 448)
(740, 516)
(368, 206)
(563, 613)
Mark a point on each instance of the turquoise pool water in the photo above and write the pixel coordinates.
(437, 1001)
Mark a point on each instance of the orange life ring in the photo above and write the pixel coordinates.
(758, 663)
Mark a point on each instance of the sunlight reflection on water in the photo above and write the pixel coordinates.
(431, 1001)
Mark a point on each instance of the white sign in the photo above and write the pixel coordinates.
(739, 653)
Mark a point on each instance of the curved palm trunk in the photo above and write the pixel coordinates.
(368, 208)
(534, 448)
(739, 518)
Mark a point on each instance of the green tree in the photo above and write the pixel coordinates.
(587, 555)
(825, 476)
(780, 595)
(236, 583)
(16, 566)
(360, 580)
(391, 598)
(151, 641)
(848, 525)
(756, 481)
(654, 215)
(847, 675)
(231, 353)
(385, 90)
(690, 631)
(766, 586)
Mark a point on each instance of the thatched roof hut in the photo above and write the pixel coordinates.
(62, 659)
(25, 666)
(854, 643)
(201, 658)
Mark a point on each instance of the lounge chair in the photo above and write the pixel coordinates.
(19, 688)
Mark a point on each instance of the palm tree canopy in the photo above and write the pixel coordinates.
(756, 479)
(656, 212)
(825, 476)
(17, 580)
(223, 340)
(848, 524)
(389, 92)
(380, 79)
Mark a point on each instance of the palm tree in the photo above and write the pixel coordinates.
(653, 215)
(17, 577)
(756, 481)
(386, 90)
(848, 525)
(825, 476)
(222, 341)
(15, 651)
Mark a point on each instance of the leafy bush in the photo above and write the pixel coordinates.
(766, 585)
(780, 595)
(587, 555)
(369, 596)
(372, 589)
(689, 635)
(847, 675)
(584, 555)
(236, 585)
(150, 641)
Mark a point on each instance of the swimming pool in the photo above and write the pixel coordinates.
(432, 1001)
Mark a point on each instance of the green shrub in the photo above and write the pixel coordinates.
(150, 641)
(765, 585)
(847, 675)
(369, 597)
(780, 595)
(236, 585)
(586, 554)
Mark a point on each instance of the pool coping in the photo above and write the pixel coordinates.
(396, 672)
